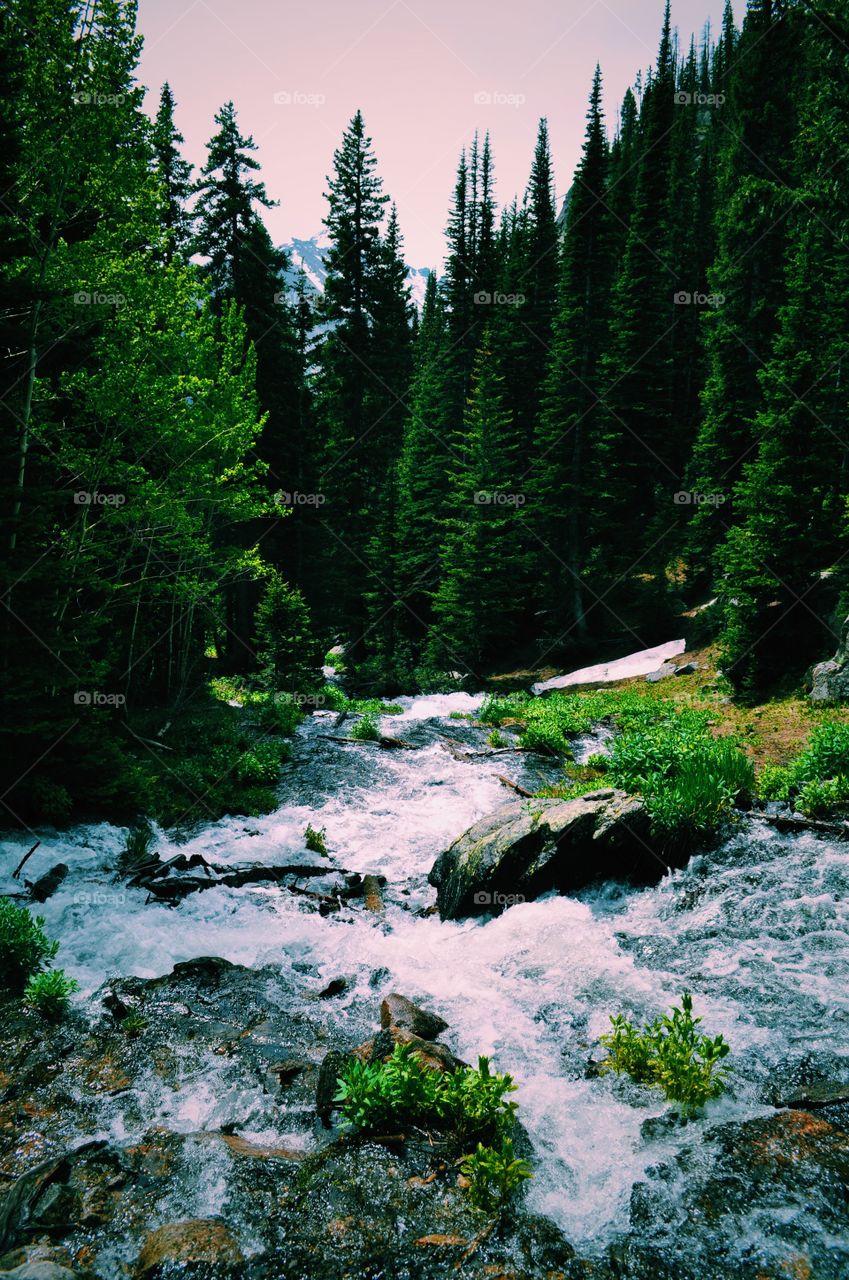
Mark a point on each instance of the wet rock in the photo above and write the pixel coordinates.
(328, 1079)
(197, 1246)
(687, 669)
(429, 1052)
(813, 1097)
(256, 1151)
(39, 1197)
(397, 1010)
(41, 1271)
(528, 847)
(336, 987)
(45, 886)
(372, 886)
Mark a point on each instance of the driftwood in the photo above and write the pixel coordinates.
(784, 822)
(372, 893)
(514, 786)
(19, 868)
(383, 741)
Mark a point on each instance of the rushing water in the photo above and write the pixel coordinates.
(758, 930)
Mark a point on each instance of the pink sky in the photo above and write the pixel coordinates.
(420, 70)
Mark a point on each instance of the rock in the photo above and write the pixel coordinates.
(336, 987)
(178, 1246)
(45, 886)
(526, 848)
(429, 1053)
(687, 669)
(812, 1097)
(372, 892)
(328, 1078)
(830, 680)
(397, 1010)
(41, 1271)
(254, 1151)
(662, 673)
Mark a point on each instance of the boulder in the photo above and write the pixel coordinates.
(830, 680)
(396, 1010)
(193, 1245)
(662, 673)
(528, 847)
(46, 885)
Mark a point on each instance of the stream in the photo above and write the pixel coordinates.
(757, 929)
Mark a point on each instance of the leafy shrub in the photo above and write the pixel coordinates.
(470, 1102)
(25, 948)
(138, 846)
(670, 1052)
(366, 730)
(315, 840)
(819, 799)
(494, 1173)
(50, 993)
(496, 739)
(334, 660)
(599, 762)
(774, 782)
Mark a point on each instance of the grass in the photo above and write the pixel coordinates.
(316, 840)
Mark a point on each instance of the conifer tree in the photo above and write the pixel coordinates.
(174, 174)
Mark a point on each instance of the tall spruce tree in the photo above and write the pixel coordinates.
(563, 490)
(174, 174)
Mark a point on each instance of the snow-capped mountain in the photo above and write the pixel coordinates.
(308, 255)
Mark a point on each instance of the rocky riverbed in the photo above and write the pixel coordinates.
(175, 1123)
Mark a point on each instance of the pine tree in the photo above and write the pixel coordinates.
(755, 178)
(475, 607)
(563, 486)
(785, 558)
(174, 174)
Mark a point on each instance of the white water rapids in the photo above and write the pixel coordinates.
(758, 930)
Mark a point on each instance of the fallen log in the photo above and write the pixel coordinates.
(372, 893)
(514, 786)
(788, 822)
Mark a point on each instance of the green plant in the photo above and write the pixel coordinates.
(819, 798)
(50, 993)
(286, 647)
(598, 761)
(494, 1173)
(133, 1025)
(470, 1102)
(366, 730)
(774, 782)
(25, 948)
(496, 739)
(316, 840)
(670, 1052)
(138, 846)
(334, 660)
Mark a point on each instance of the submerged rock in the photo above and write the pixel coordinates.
(179, 1247)
(528, 847)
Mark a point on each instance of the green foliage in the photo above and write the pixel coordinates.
(286, 648)
(133, 1025)
(316, 840)
(671, 1053)
(25, 948)
(470, 1102)
(334, 660)
(50, 993)
(496, 739)
(366, 730)
(494, 1173)
(817, 781)
(138, 846)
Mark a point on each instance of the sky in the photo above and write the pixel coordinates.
(425, 73)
